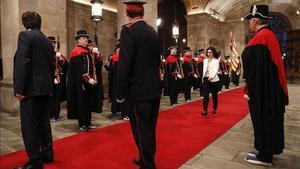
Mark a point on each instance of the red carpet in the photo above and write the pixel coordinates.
(181, 134)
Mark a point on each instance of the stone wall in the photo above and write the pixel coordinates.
(53, 15)
(205, 31)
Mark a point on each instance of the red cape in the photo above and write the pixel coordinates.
(187, 59)
(171, 59)
(272, 43)
(79, 51)
(115, 57)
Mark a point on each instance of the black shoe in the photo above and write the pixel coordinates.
(28, 165)
(204, 113)
(214, 111)
(137, 161)
(83, 129)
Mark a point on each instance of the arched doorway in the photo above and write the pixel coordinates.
(168, 10)
(289, 43)
(281, 25)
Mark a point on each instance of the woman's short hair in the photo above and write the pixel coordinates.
(214, 51)
(31, 20)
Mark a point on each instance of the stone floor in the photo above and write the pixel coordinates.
(227, 152)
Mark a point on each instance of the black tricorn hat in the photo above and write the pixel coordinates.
(186, 49)
(200, 51)
(172, 47)
(81, 33)
(258, 11)
(51, 38)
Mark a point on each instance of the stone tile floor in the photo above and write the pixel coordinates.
(227, 152)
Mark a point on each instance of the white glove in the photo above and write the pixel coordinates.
(58, 54)
(195, 76)
(246, 97)
(95, 50)
(55, 81)
(107, 62)
(92, 81)
(179, 76)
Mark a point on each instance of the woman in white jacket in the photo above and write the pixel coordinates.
(210, 79)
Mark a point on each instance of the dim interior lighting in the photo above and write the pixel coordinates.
(297, 12)
(175, 31)
(97, 6)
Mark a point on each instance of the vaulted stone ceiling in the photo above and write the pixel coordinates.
(221, 9)
(235, 9)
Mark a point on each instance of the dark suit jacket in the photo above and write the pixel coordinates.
(33, 64)
(138, 71)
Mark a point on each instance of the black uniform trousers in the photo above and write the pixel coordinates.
(235, 79)
(174, 90)
(55, 101)
(187, 88)
(85, 116)
(213, 88)
(36, 129)
(143, 120)
(262, 154)
(226, 79)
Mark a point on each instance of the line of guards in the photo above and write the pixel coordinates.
(183, 73)
(178, 73)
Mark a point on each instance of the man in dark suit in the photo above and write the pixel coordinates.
(33, 79)
(138, 80)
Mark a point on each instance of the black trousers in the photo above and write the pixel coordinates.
(143, 120)
(213, 88)
(88, 104)
(187, 88)
(174, 97)
(36, 129)
(55, 101)
(226, 81)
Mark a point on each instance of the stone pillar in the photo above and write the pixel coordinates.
(53, 13)
(150, 14)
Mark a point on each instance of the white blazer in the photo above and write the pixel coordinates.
(212, 68)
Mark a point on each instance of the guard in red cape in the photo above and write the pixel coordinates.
(61, 66)
(266, 88)
(139, 82)
(173, 75)
(97, 75)
(81, 87)
(189, 73)
(115, 106)
(198, 65)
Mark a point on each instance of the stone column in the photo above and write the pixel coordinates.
(150, 14)
(53, 13)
